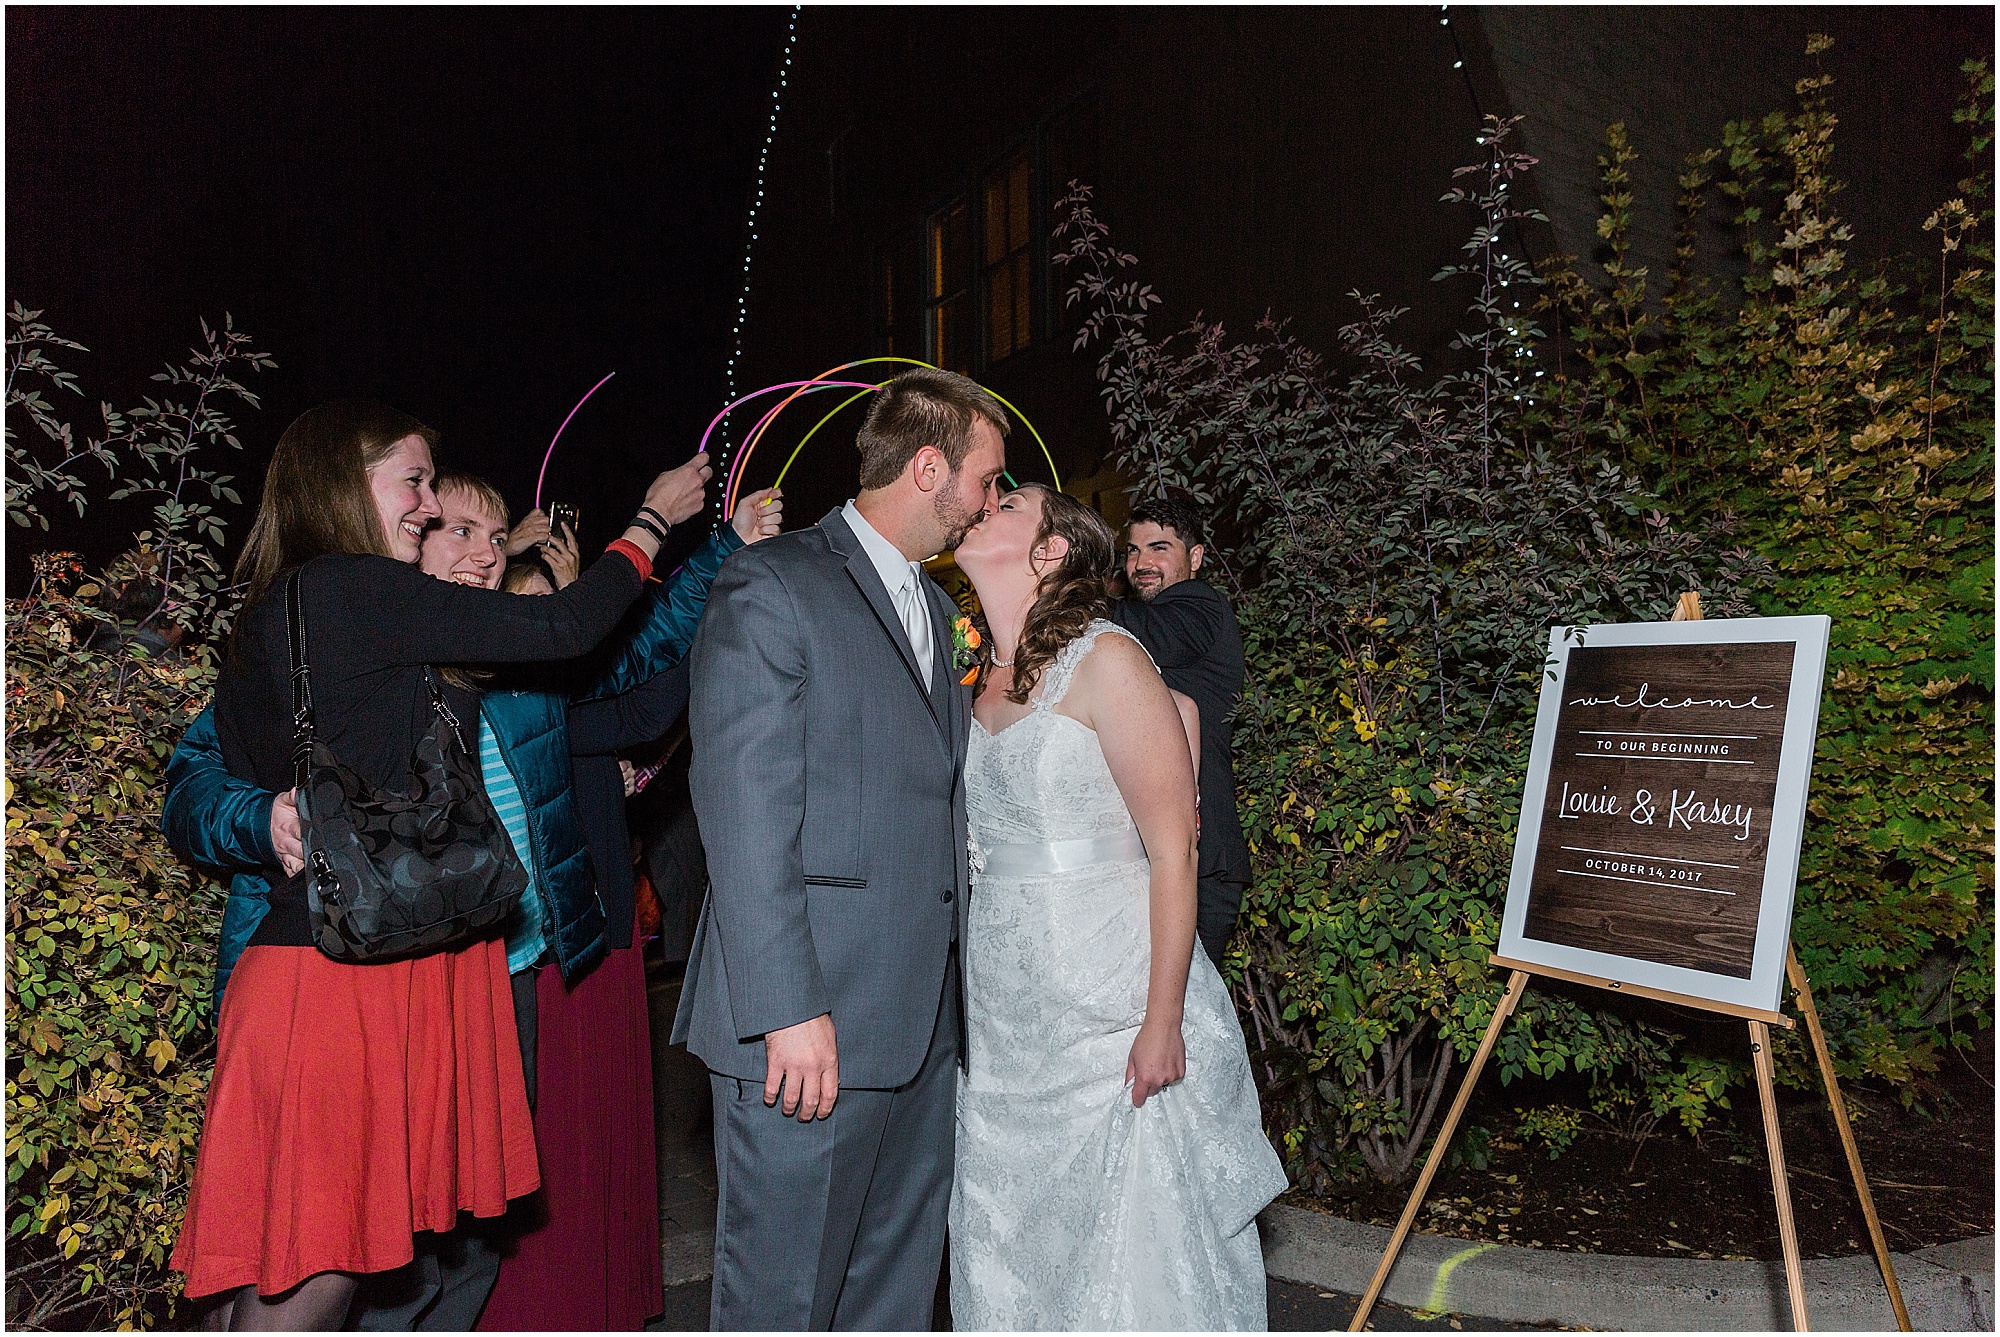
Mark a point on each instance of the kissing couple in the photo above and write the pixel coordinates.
(945, 972)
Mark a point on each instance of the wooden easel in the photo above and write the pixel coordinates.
(1760, 1023)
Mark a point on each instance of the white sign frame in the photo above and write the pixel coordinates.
(1763, 990)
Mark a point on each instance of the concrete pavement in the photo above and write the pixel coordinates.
(1946, 1289)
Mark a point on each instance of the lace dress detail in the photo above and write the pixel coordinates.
(1070, 1209)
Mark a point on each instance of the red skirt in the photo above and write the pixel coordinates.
(351, 1107)
(589, 1257)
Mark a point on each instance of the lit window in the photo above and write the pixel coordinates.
(948, 330)
(1008, 264)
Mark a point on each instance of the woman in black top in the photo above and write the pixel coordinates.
(355, 1105)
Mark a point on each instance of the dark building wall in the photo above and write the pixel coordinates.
(1276, 160)
(1677, 75)
(1256, 160)
(1267, 160)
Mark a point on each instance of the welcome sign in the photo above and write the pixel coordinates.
(1665, 806)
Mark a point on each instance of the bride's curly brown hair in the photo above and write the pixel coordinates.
(1070, 594)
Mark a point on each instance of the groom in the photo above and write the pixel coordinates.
(829, 727)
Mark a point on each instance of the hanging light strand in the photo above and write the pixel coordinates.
(1458, 59)
(742, 313)
(1479, 112)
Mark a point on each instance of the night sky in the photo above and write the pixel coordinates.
(469, 214)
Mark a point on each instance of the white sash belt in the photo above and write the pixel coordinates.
(1040, 858)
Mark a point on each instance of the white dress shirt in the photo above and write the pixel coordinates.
(903, 579)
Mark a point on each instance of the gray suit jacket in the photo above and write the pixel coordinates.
(828, 781)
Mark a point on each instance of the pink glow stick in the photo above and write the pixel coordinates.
(735, 404)
(736, 465)
(735, 479)
(731, 407)
(558, 436)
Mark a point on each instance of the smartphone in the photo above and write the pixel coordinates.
(562, 515)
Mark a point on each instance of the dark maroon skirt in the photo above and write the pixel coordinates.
(590, 1259)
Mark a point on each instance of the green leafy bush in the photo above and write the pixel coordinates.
(1844, 423)
(1554, 1126)
(110, 938)
(1398, 542)
(1400, 549)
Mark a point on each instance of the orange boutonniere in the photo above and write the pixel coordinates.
(965, 650)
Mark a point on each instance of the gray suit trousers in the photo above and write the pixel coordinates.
(837, 1224)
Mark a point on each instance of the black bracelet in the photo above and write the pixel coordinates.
(665, 524)
(659, 535)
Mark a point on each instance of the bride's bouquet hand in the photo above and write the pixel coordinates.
(1159, 1058)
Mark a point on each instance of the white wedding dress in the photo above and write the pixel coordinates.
(1070, 1209)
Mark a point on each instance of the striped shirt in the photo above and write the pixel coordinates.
(525, 941)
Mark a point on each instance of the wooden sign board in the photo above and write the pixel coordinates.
(1665, 806)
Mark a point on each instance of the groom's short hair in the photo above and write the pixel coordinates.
(924, 407)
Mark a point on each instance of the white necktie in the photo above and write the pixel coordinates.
(916, 621)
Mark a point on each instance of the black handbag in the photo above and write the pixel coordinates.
(392, 875)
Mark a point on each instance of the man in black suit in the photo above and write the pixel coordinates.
(1186, 624)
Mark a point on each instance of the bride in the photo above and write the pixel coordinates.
(1110, 1161)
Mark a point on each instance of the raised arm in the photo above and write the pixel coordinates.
(412, 618)
(747, 719)
(1118, 692)
(672, 612)
(409, 618)
(210, 816)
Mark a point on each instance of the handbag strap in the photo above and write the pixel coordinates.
(438, 704)
(303, 731)
(304, 728)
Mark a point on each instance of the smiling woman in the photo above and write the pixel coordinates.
(345, 504)
(357, 478)
(400, 483)
(545, 744)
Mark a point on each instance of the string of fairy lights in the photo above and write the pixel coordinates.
(1479, 111)
(724, 447)
(1458, 58)
(750, 241)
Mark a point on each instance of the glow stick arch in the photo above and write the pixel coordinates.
(558, 436)
(824, 381)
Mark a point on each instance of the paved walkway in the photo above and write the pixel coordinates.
(1946, 1288)
(1292, 1309)
(687, 1213)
